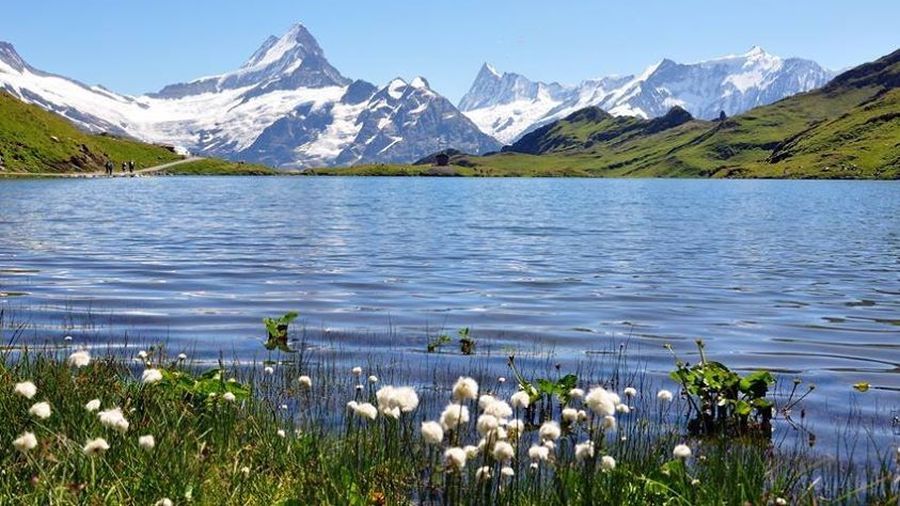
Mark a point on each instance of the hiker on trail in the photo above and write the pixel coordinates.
(109, 168)
(131, 167)
(124, 167)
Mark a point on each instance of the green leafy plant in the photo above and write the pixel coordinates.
(211, 382)
(466, 342)
(541, 391)
(722, 401)
(435, 344)
(277, 329)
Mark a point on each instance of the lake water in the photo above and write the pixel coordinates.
(799, 276)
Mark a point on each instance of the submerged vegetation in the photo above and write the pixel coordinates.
(155, 429)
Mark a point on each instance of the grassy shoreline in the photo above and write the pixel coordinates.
(281, 432)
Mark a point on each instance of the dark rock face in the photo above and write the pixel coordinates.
(432, 159)
(9, 56)
(676, 116)
(358, 92)
(275, 146)
(883, 72)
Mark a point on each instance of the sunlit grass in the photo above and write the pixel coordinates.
(248, 435)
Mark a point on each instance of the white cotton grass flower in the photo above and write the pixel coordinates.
(304, 381)
(245, 471)
(453, 416)
(26, 442)
(165, 501)
(455, 458)
(40, 410)
(113, 419)
(607, 463)
(81, 358)
(664, 395)
(472, 451)
(268, 370)
(503, 451)
(392, 401)
(151, 376)
(682, 451)
(485, 400)
(549, 444)
(366, 410)
(515, 428)
(614, 397)
(147, 442)
(229, 397)
(26, 389)
(576, 393)
(538, 453)
(373, 379)
(533, 466)
(608, 423)
(281, 433)
(570, 415)
(582, 415)
(92, 405)
(67, 338)
(464, 389)
(95, 447)
(432, 433)
(501, 380)
(520, 399)
(601, 402)
(500, 409)
(584, 451)
(487, 424)
(623, 409)
(630, 392)
(550, 431)
(507, 472)
(781, 501)
(182, 356)
(483, 473)
(142, 355)
(357, 371)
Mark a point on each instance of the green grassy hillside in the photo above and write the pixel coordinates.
(216, 167)
(33, 140)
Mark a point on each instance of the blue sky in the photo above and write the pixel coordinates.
(134, 46)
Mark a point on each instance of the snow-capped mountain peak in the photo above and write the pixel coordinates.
(288, 50)
(507, 106)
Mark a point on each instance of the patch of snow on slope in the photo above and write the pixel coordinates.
(338, 136)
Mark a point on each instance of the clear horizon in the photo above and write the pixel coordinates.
(139, 47)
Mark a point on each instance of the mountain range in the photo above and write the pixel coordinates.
(847, 129)
(508, 105)
(287, 106)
